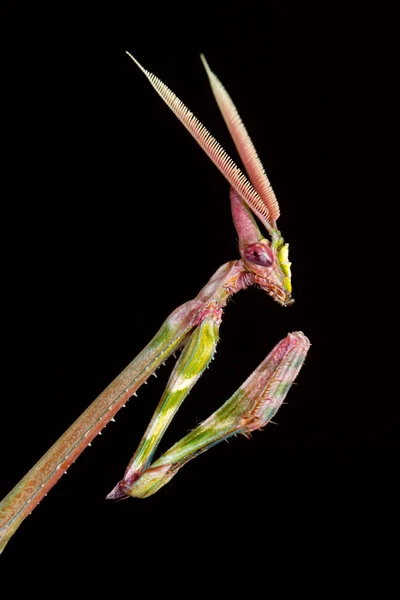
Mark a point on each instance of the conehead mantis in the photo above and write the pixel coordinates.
(193, 329)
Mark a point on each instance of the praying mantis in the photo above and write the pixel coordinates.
(192, 329)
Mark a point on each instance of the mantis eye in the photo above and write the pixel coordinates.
(259, 254)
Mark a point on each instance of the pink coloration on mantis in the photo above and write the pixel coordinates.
(259, 254)
(192, 328)
(253, 248)
(245, 147)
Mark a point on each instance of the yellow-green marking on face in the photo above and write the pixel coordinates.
(283, 257)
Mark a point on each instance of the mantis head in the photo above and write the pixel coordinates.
(267, 260)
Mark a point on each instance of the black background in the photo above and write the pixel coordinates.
(112, 217)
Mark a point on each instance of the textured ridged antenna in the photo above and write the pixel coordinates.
(243, 143)
(212, 148)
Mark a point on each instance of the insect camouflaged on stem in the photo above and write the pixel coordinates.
(194, 329)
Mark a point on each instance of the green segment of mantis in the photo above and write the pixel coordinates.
(192, 328)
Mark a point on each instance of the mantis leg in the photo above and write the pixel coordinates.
(23, 498)
(250, 408)
(193, 360)
(173, 334)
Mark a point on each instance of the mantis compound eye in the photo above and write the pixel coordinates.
(259, 254)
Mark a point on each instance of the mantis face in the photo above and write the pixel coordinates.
(271, 269)
(267, 261)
